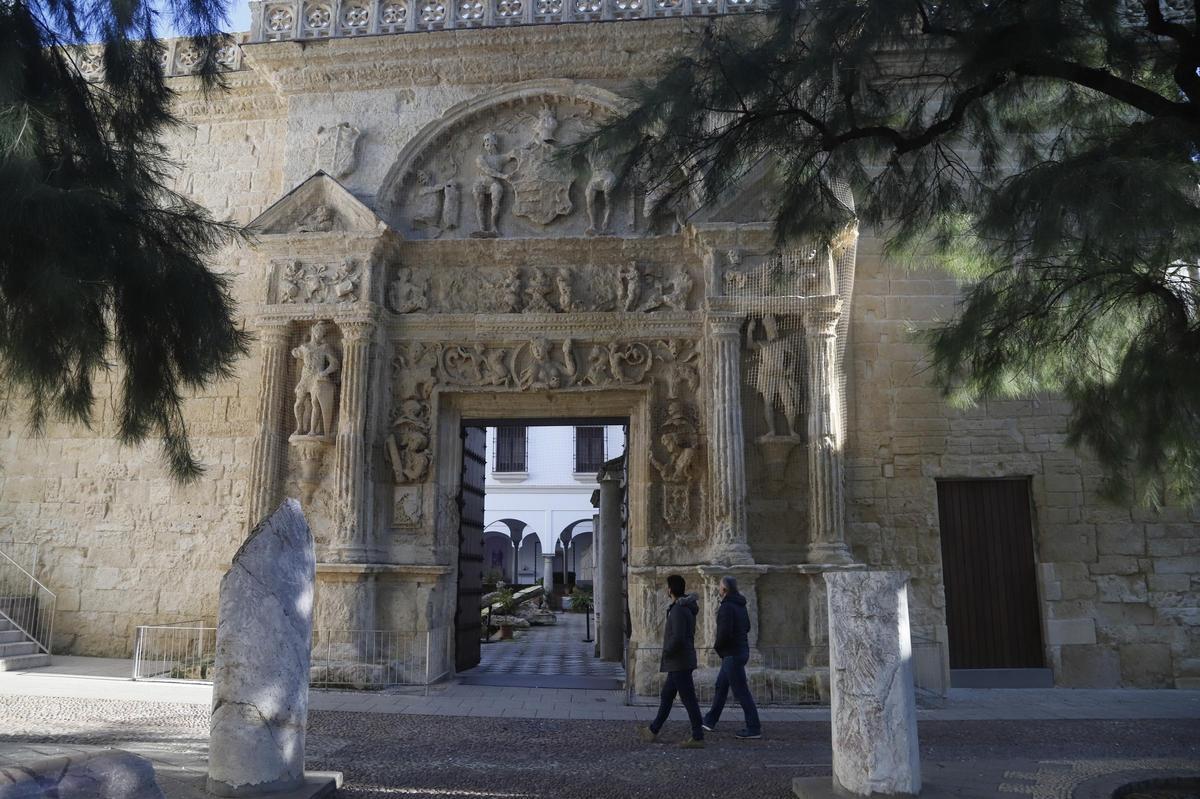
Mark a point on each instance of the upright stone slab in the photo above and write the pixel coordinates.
(260, 685)
(873, 705)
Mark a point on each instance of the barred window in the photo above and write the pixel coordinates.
(510, 449)
(589, 449)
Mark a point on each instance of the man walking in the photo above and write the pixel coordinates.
(732, 643)
(678, 662)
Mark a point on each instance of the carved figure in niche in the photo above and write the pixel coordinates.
(566, 299)
(677, 298)
(439, 203)
(775, 381)
(680, 366)
(652, 293)
(597, 372)
(734, 277)
(629, 290)
(414, 371)
(510, 291)
(315, 391)
(345, 281)
(408, 455)
(620, 356)
(679, 439)
(313, 285)
(291, 281)
(318, 220)
(599, 188)
(537, 293)
(406, 294)
(544, 371)
(489, 188)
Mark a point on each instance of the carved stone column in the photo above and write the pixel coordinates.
(726, 442)
(268, 456)
(548, 575)
(826, 440)
(610, 628)
(351, 545)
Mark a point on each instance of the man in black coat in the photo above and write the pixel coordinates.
(732, 643)
(678, 662)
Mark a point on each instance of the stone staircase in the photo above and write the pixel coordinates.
(17, 650)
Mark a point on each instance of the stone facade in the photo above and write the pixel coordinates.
(409, 197)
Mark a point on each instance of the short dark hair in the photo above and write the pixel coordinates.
(730, 583)
(676, 585)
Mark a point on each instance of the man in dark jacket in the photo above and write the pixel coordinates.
(732, 643)
(678, 662)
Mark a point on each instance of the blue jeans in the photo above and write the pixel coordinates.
(733, 675)
(679, 682)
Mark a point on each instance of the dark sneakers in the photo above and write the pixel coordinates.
(707, 727)
(747, 735)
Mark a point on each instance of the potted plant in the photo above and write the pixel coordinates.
(505, 606)
(581, 601)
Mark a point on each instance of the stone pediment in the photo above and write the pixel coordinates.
(319, 205)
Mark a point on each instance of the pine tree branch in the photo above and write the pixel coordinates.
(1149, 102)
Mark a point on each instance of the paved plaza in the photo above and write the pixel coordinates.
(468, 741)
(554, 656)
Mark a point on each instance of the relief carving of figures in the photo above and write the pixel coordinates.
(640, 291)
(777, 376)
(337, 149)
(313, 284)
(414, 372)
(545, 371)
(510, 291)
(477, 365)
(680, 360)
(680, 440)
(537, 293)
(566, 295)
(489, 186)
(316, 389)
(629, 290)
(438, 203)
(677, 297)
(407, 446)
(407, 293)
(597, 370)
(600, 191)
(319, 220)
(406, 507)
(628, 363)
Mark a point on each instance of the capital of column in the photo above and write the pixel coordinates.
(274, 333)
(822, 321)
(726, 325)
(356, 331)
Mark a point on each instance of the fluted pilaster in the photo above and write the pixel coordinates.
(350, 448)
(268, 456)
(726, 442)
(826, 439)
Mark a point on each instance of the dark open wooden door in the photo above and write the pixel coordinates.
(467, 630)
(988, 569)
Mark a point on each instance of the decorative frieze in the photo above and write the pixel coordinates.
(318, 283)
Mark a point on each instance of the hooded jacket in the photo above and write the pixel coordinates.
(679, 635)
(733, 626)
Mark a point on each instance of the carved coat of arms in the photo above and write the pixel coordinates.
(541, 183)
(337, 149)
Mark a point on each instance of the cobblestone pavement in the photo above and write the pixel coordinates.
(389, 755)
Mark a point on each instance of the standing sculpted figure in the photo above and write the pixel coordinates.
(566, 297)
(489, 186)
(439, 203)
(630, 289)
(600, 187)
(537, 293)
(677, 298)
(775, 381)
(315, 391)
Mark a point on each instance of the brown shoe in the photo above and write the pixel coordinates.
(692, 743)
(647, 735)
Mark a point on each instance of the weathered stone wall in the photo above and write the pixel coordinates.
(1120, 587)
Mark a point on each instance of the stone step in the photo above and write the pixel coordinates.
(19, 648)
(9, 636)
(23, 662)
(6, 625)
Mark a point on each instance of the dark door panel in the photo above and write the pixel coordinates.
(467, 630)
(988, 569)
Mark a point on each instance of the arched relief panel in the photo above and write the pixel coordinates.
(500, 166)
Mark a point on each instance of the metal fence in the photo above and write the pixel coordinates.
(26, 602)
(778, 675)
(356, 659)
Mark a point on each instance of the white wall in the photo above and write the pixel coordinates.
(550, 495)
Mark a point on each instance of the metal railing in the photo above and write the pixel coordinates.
(355, 659)
(778, 675)
(281, 20)
(26, 603)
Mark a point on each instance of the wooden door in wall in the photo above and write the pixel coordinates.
(988, 570)
(467, 631)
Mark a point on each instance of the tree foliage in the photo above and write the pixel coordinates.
(102, 264)
(1044, 150)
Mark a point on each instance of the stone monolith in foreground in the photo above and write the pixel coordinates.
(872, 701)
(264, 636)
